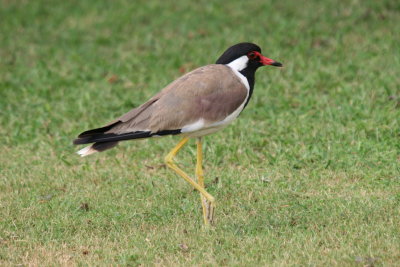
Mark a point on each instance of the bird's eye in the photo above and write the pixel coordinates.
(252, 55)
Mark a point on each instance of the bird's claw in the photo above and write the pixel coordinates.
(209, 211)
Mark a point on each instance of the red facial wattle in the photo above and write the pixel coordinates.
(265, 61)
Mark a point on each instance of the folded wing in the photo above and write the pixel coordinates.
(210, 94)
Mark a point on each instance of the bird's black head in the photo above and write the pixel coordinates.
(246, 58)
(245, 55)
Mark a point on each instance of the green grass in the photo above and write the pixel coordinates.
(308, 175)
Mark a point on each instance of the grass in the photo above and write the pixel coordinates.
(308, 175)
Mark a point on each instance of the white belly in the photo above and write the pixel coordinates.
(205, 131)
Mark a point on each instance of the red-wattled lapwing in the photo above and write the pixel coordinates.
(199, 103)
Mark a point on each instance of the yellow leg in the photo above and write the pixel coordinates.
(208, 207)
(169, 161)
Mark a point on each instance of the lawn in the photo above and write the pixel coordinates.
(309, 175)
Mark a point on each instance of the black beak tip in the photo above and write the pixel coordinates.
(277, 64)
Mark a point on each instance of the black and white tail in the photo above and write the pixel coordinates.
(103, 141)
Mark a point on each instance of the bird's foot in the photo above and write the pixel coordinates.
(209, 208)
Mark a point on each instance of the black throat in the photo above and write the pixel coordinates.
(249, 72)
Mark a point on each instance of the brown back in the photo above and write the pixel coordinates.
(211, 93)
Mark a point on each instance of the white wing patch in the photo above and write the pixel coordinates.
(193, 126)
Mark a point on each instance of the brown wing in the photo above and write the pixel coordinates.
(211, 93)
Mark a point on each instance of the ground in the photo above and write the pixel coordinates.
(308, 175)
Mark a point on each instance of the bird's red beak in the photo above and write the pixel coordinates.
(268, 61)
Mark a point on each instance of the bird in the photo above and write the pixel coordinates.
(197, 104)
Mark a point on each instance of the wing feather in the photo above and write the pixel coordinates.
(210, 93)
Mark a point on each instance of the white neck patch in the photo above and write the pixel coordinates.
(239, 63)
